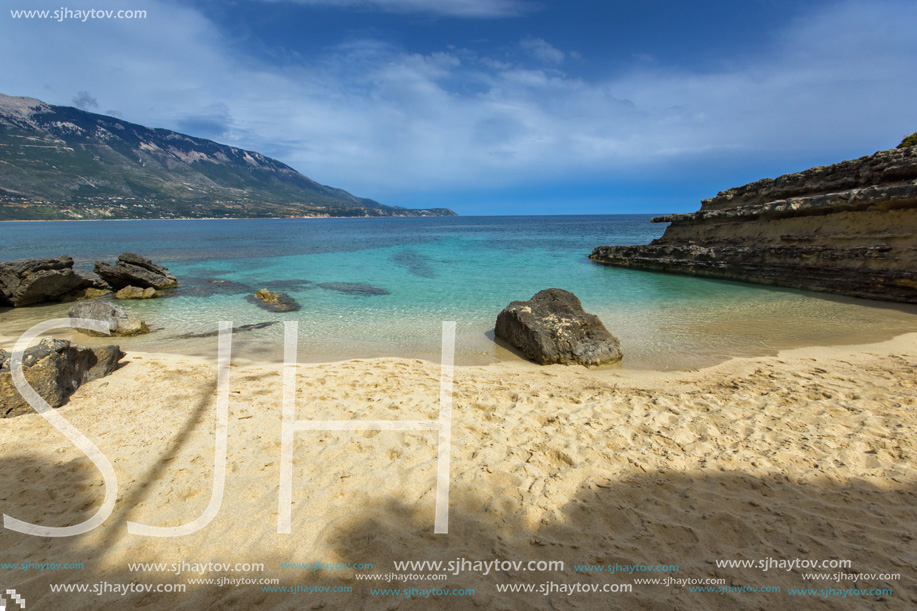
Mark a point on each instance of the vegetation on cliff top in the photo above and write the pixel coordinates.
(909, 141)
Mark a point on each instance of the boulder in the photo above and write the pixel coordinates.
(135, 292)
(274, 302)
(135, 270)
(553, 328)
(55, 369)
(119, 321)
(33, 281)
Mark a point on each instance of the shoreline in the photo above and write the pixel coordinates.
(502, 357)
(904, 341)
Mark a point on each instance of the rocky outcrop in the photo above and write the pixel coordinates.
(119, 321)
(34, 281)
(54, 369)
(135, 270)
(553, 328)
(848, 228)
(274, 302)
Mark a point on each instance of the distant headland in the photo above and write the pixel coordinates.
(62, 163)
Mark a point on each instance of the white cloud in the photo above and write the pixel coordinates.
(543, 51)
(381, 122)
(451, 8)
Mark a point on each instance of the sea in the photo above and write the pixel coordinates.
(382, 287)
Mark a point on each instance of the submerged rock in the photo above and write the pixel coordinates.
(553, 328)
(135, 270)
(119, 321)
(414, 262)
(54, 369)
(294, 284)
(134, 292)
(206, 287)
(353, 288)
(274, 302)
(33, 281)
(90, 293)
(239, 329)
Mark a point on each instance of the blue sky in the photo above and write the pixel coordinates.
(495, 106)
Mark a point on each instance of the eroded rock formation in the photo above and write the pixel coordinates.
(848, 228)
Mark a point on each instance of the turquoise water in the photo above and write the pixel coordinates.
(382, 287)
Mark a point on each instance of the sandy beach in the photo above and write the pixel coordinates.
(809, 455)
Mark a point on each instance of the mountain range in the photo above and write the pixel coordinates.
(60, 162)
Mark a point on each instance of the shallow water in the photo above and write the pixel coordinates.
(382, 287)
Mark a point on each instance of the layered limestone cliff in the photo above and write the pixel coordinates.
(848, 228)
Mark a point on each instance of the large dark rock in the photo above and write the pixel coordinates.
(55, 369)
(135, 270)
(33, 281)
(119, 321)
(274, 302)
(553, 328)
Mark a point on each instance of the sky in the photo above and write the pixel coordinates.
(494, 106)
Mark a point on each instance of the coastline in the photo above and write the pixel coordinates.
(548, 463)
(258, 349)
(229, 218)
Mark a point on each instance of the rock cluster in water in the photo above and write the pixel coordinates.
(36, 281)
(552, 327)
(33, 281)
(848, 228)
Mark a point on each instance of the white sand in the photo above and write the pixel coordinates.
(810, 454)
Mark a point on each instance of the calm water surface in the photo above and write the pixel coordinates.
(382, 287)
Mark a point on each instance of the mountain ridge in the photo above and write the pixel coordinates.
(60, 162)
